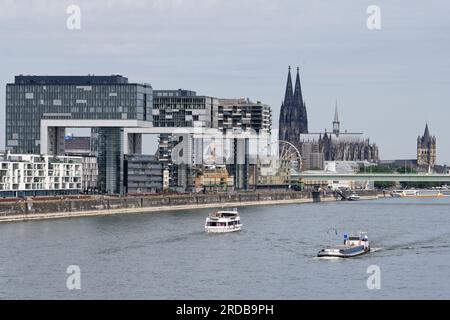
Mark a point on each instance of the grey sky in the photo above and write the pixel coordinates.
(388, 82)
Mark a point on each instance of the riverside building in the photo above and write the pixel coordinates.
(107, 104)
(39, 109)
(240, 116)
(81, 147)
(181, 108)
(243, 114)
(142, 174)
(36, 175)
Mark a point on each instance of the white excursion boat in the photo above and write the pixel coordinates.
(223, 221)
(353, 197)
(353, 246)
(412, 193)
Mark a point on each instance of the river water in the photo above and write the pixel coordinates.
(168, 255)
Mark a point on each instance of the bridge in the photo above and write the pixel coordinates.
(330, 176)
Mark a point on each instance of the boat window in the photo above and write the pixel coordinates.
(211, 224)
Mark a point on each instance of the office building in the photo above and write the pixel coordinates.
(110, 102)
(39, 109)
(183, 108)
(180, 108)
(243, 114)
(142, 174)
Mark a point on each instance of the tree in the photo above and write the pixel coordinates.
(379, 169)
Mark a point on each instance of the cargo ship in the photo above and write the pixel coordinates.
(353, 246)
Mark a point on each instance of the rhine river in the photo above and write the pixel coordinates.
(169, 256)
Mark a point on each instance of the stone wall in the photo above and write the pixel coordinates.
(69, 205)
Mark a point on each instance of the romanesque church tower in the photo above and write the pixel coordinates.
(293, 115)
(426, 149)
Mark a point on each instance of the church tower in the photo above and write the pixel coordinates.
(426, 149)
(293, 115)
(336, 123)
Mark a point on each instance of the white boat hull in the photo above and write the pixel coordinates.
(223, 229)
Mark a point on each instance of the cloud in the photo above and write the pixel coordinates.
(242, 48)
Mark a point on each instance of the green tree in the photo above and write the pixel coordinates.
(379, 169)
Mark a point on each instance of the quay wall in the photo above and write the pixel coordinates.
(33, 209)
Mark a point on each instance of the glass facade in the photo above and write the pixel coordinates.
(142, 174)
(243, 114)
(110, 159)
(33, 98)
(182, 108)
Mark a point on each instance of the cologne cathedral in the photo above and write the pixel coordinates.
(315, 148)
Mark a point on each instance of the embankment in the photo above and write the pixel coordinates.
(102, 205)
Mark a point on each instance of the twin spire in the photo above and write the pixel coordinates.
(293, 114)
(293, 96)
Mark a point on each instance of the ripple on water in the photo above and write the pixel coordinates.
(274, 256)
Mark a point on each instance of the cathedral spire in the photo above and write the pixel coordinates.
(336, 123)
(299, 105)
(298, 98)
(336, 116)
(288, 95)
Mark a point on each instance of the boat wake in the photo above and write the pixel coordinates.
(432, 244)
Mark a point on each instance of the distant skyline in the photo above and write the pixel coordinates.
(388, 83)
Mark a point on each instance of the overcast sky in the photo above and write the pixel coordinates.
(388, 82)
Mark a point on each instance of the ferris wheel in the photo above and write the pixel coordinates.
(288, 155)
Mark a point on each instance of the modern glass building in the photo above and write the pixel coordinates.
(243, 114)
(31, 99)
(180, 108)
(183, 108)
(142, 174)
(40, 108)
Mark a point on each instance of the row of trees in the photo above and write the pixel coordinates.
(404, 184)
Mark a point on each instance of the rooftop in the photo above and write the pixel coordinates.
(74, 80)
